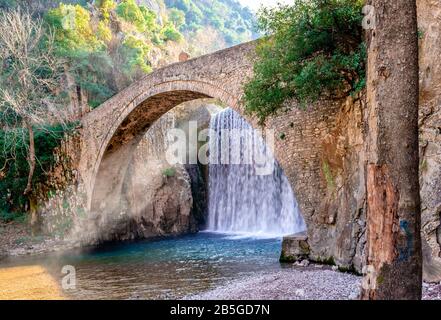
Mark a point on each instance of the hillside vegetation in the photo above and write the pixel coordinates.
(103, 46)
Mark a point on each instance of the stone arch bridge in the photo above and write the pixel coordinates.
(111, 132)
(318, 148)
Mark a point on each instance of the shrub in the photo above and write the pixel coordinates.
(7, 217)
(171, 34)
(140, 16)
(312, 48)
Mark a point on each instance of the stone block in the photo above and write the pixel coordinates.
(294, 248)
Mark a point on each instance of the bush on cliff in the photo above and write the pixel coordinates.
(311, 49)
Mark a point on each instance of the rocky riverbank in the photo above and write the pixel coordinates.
(17, 240)
(297, 283)
(315, 282)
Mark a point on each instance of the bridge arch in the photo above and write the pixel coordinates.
(128, 128)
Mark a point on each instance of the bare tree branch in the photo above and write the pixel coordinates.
(30, 74)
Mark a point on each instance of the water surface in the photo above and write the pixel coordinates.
(163, 269)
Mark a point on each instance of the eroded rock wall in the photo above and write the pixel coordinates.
(429, 24)
(161, 199)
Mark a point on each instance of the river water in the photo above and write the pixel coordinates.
(248, 214)
(163, 269)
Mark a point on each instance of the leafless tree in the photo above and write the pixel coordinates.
(30, 75)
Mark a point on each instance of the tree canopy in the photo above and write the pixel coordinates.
(234, 22)
(312, 48)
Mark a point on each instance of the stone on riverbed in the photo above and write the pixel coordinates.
(295, 248)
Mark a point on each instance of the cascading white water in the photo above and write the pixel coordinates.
(241, 198)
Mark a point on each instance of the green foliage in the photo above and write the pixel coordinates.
(73, 27)
(84, 48)
(7, 217)
(14, 165)
(106, 7)
(37, 7)
(234, 22)
(171, 34)
(169, 172)
(104, 58)
(311, 49)
(8, 4)
(140, 16)
(91, 71)
(135, 51)
(177, 17)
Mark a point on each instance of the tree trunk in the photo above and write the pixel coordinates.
(28, 190)
(31, 162)
(34, 216)
(394, 267)
(31, 158)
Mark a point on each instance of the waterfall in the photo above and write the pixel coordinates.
(241, 198)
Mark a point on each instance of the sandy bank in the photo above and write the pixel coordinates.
(28, 283)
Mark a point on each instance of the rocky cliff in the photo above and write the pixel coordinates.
(162, 199)
(429, 24)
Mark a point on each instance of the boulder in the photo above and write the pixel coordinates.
(295, 248)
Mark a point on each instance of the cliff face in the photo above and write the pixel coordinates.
(429, 23)
(160, 199)
(157, 197)
(341, 213)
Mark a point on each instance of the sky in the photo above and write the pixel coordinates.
(255, 4)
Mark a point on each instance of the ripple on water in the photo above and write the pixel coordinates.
(164, 269)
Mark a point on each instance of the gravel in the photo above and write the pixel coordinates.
(291, 284)
(432, 291)
(308, 283)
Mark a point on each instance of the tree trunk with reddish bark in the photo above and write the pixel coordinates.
(393, 252)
